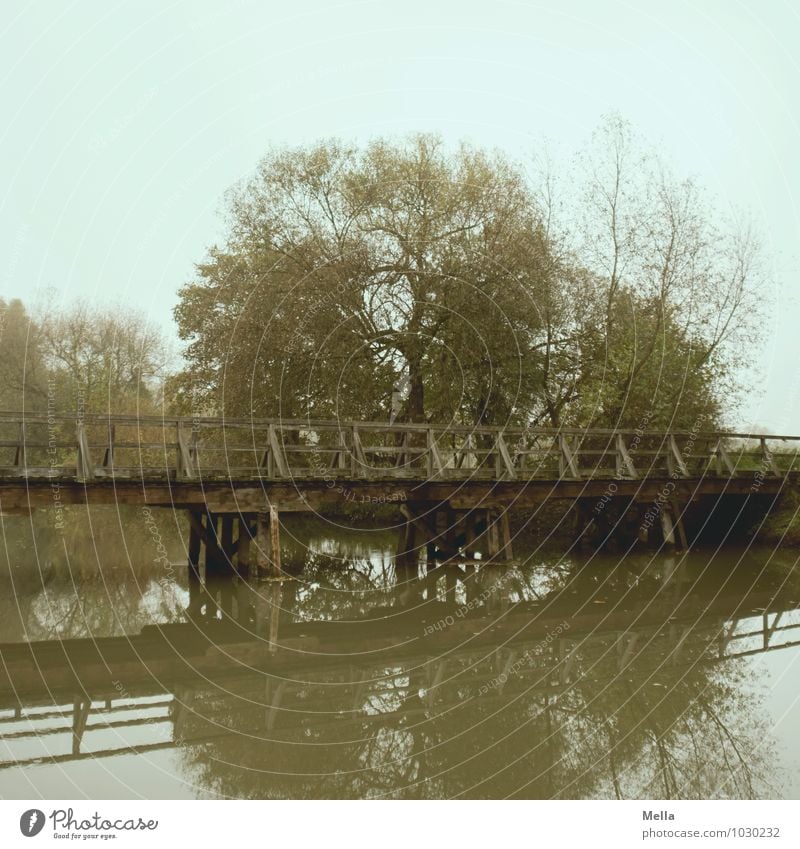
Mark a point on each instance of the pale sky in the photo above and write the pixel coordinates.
(124, 123)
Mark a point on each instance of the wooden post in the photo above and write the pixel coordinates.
(194, 550)
(492, 536)
(567, 460)
(227, 538)
(506, 551)
(357, 457)
(20, 459)
(108, 457)
(679, 524)
(243, 547)
(767, 458)
(274, 614)
(185, 468)
(403, 452)
(432, 572)
(215, 559)
(505, 461)
(278, 465)
(275, 541)
(667, 527)
(406, 564)
(85, 467)
(644, 531)
(584, 523)
(450, 583)
(80, 715)
(675, 459)
(625, 467)
(269, 544)
(723, 460)
(435, 464)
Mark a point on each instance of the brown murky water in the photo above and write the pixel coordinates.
(569, 676)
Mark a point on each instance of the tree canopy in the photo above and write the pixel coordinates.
(457, 283)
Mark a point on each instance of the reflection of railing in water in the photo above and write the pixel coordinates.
(418, 686)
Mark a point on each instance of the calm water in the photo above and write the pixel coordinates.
(580, 676)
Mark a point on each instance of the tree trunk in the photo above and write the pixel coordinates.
(415, 406)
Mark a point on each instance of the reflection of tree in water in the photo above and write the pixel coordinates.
(657, 730)
(107, 605)
(106, 572)
(331, 587)
(693, 733)
(666, 725)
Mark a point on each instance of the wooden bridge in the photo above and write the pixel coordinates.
(453, 484)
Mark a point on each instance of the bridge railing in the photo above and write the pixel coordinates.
(94, 447)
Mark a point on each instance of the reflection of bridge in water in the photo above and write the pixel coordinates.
(194, 683)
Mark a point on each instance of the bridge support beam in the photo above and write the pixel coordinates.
(268, 543)
(458, 544)
(220, 548)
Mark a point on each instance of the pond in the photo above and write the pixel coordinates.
(646, 675)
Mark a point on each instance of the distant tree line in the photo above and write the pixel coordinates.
(81, 357)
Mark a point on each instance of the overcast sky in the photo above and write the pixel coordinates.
(124, 123)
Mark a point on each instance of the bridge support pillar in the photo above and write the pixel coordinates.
(406, 564)
(667, 526)
(453, 539)
(268, 543)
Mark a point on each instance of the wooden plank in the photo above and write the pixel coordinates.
(723, 460)
(678, 514)
(506, 551)
(80, 715)
(677, 457)
(667, 528)
(196, 532)
(435, 464)
(20, 456)
(275, 612)
(85, 468)
(195, 522)
(568, 459)
(357, 455)
(428, 533)
(275, 541)
(624, 462)
(243, 547)
(277, 455)
(403, 453)
(502, 448)
(108, 456)
(185, 461)
(767, 458)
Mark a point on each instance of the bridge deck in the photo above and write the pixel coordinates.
(306, 464)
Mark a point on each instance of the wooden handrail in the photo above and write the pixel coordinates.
(94, 446)
(129, 419)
